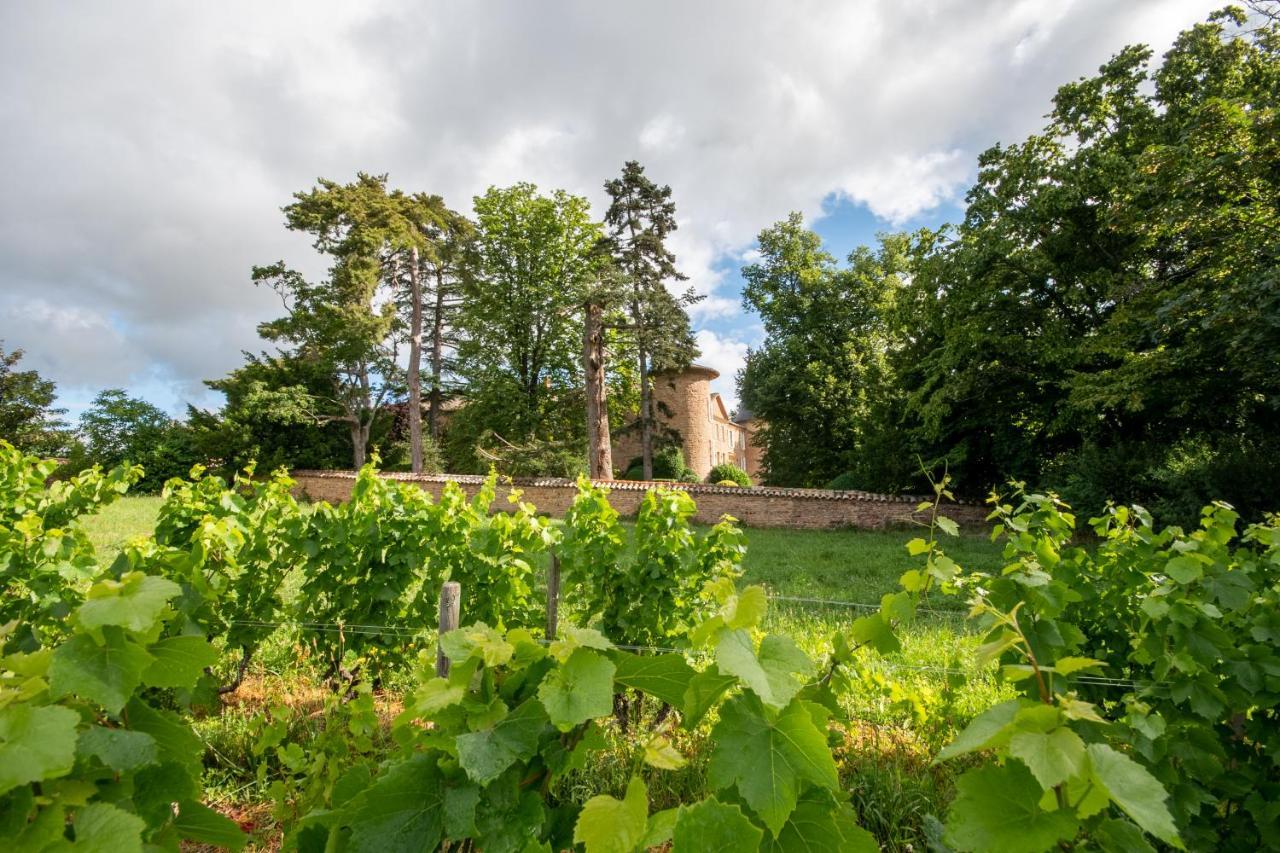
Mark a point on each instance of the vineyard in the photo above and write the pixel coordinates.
(614, 688)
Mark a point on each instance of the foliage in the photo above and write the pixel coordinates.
(653, 596)
(730, 472)
(28, 418)
(119, 429)
(46, 560)
(526, 275)
(1111, 270)
(514, 716)
(668, 464)
(85, 752)
(821, 383)
(1185, 619)
(848, 481)
(640, 218)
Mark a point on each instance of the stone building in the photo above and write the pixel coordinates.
(687, 407)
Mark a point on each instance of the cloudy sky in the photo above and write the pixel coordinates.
(147, 147)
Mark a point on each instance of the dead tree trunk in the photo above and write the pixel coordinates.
(414, 378)
(599, 447)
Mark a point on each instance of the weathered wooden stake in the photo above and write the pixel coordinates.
(450, 597)
(553, 595)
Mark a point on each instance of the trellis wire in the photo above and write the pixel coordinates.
(376, 630)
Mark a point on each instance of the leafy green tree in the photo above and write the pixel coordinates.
(527, 270)
(28, 418)
(118, 429)
(641, 216)
(821, 382)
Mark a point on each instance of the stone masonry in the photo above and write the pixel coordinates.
(756, 507)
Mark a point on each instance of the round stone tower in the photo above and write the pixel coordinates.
(682, 402)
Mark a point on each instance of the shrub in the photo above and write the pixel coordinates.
(728, 474)
(845, 482)
(668, 464)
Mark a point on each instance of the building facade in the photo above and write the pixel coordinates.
(686, 406)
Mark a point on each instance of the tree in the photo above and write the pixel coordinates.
(527, 270)
(641, 216)
(1106, 319)
(821, 382)
(28, 418)
(117, 428)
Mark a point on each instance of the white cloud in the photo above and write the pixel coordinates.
(725, 355)
(149, 146)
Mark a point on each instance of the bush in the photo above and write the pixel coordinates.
(848, 481)
(668, 464)
(728, 474)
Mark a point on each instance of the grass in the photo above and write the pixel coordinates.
(905, 705)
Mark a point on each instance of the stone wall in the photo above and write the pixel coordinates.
(757, 507)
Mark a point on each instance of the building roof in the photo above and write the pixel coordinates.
(744, 415)
(709, 372)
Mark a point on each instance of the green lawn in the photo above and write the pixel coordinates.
(120, 522)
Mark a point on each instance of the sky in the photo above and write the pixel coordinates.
(148, 147)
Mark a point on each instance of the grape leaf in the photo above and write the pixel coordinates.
(747, 609)
(107, 674)
(479, 640)
(658, 752)
(817, 827)
(485, 754)
(771, 674)
(578, 690)
(997, 807)
(179, 661)
(157, 787)
(134, 602)
(872, 630)
(607, 825)
(1053, 758)
(1139, 794)
(103, 828)
(704, 690)
(661, 825)
(665, 677)
(119, 749)
(174, 737)
(198, 822)
(713, 827)
(401, 812)
(985, 731)
(36, 743)
(769, 760)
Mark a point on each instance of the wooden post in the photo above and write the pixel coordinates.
(553, 595)
(450, 596)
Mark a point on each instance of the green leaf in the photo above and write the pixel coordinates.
(665, 677)
(1069, 665)
(36, 743)
(948, 526)
(658, 752)
(985, 730)
(107, 674)
(172, 734)
(713, 827)
(198, 822)
(661, 825)
(917, 546)
(747, 609)
(433, 696)
(134, 602)
(1120, 836)
(573, 638)
(578, 690)
(157, 787)
(1139, 794)
(997, 807)
(460, 811)
(401, 812)
(768, 760)
(485, 754)
(179, 661)
(1053, 757)
(103, 828)
(606, 825)
(120, 749)
(1184, 569)
(705, 689)
(873, 631)
(478, 640)
(818, 827)
(772, 675)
